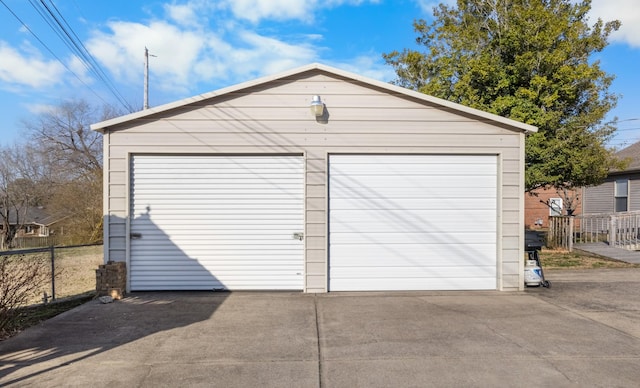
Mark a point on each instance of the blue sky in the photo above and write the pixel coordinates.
(203, 45)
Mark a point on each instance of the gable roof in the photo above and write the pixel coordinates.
(35, 215)
(631, 153)
(526, 128)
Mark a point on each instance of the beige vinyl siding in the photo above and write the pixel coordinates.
(316, 222)
(274, 119)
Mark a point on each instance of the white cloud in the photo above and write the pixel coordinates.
(304, 10)
(255, 10)
(80, 70)
(121, 50)
(251, 55)
(275, 54)
(28, 69)
(369, 66)
(193, 51)
(184, 14)
(38, 109)
(186, 56)
(627, 11)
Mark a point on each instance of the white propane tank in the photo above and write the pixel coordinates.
(532, 274)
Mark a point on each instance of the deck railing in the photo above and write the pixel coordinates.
(617, 229)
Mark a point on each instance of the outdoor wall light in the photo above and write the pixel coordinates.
(317, 106)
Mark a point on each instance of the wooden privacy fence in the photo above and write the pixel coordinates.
(561, 232)
(617, 229)
(35, 242)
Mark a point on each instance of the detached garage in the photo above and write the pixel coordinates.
(315, 180)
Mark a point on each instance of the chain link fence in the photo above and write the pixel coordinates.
(60, 271)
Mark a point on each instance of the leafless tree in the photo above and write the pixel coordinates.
(22, 279)
(74, 154)
(63, 133)
(17, 193)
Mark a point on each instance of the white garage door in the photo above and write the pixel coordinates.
(416, 222)
(205, 222)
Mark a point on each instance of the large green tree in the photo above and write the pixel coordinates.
(529, 60)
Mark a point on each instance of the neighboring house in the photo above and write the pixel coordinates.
(383, 188)
(620, 191)
(540, 204)
(35, 222)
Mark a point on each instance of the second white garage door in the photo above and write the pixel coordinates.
(412, 222)
(205, 222)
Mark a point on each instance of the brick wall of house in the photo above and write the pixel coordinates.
(536, 210)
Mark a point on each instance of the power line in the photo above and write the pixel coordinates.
(92, 60)
(56, 21)
(71, 40)
(51, 52)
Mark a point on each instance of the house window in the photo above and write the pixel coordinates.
(555, 206)
(28, 229)
(621, 195)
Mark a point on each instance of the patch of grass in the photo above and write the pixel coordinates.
(26, 317)
(76, 268)
(559, 259)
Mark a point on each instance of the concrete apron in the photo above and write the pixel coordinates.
(571, 334)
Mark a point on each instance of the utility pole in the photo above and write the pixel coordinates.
(146, 78)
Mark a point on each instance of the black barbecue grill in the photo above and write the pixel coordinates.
(533, 243)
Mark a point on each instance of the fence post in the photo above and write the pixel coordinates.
(571, 234)
(636, 230)
(612, 230)
(53, 272)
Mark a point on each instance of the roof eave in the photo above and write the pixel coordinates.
(433, 100)
(625, 172)
(526, 128)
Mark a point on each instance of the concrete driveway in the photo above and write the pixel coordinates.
(584, 331)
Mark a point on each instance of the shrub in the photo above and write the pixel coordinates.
(22, 279)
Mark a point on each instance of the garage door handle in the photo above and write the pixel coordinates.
(135, 236)
(298, 236)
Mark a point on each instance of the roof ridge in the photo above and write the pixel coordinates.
(101, 126)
